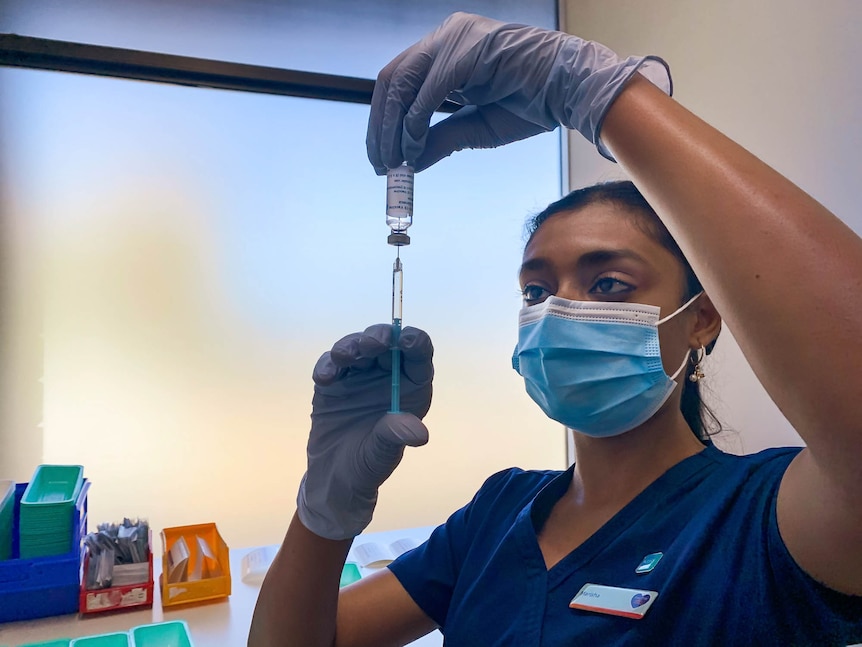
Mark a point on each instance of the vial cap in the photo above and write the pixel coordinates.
(398, 239)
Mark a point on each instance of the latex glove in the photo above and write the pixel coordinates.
(354, 443)
(517, 81)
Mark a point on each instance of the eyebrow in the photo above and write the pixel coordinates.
(596, 257)
(601, 256)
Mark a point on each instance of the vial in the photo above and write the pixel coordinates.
(399, 200)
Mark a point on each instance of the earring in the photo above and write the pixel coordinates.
(697, 373)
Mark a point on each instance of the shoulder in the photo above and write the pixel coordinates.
(765, 463)
(726, 481)
(515, 479)
(513, 488)
(496, 505)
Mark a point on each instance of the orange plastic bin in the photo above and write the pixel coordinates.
(208, 588)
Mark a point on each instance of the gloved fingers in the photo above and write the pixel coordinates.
(417, 353)
(430, 95)
(378, 123)
(356, 351)
(382, 449)
(404, 84)
(375, 340)
(473, 127)
(346, 353)
(416, 348)
(361, 351)
(400, 429)
(414, 84)
(325, 370)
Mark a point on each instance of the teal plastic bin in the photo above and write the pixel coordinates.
(7, 518)
(65, 642)
(163, 634)
(103, 640)
(47, 511)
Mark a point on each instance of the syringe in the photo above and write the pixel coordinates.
(399, 216)
(397, 296)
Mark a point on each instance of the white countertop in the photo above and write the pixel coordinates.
(222, 623)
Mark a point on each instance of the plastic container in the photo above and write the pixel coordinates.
(103, 640)
(130, 596)
(349, 574)
(47, 510)
(44, 586)
(54, 485)
(163, 634)
(7, 514)
(209, 588)
(65, 642)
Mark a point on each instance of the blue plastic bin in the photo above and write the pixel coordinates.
(43, 586)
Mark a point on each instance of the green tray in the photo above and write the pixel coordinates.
(53, 485)
(162, 634)
(104, 640)
(349, 574)
(7, 509)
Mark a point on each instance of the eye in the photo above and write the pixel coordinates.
(534, 294)
(610, 286)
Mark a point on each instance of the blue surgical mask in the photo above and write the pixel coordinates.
(594, 366)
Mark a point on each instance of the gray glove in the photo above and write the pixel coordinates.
(354, 443)
(516, 82)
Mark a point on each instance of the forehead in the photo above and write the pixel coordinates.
(602, 226)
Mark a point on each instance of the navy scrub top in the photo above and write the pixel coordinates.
(725, 577)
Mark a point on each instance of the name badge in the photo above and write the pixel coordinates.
(628, 603)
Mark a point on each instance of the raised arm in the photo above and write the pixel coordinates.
(353, 447)
(786, 274)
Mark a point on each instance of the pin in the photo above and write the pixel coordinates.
(648, 563)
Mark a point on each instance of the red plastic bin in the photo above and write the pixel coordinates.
(131, 596)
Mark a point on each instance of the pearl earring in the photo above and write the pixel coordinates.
(697, 374)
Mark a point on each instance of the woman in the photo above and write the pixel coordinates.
(651, 538)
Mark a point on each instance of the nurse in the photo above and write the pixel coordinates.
(654, 536)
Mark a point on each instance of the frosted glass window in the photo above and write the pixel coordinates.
(175, 261)
(344, 37)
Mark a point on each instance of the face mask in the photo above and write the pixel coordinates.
(592, 366)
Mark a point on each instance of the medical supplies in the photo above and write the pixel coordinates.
(118, 568)
(195, 565)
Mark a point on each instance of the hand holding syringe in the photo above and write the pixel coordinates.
(359, 429)
(399, 216)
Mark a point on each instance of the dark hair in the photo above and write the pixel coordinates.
(697, 414)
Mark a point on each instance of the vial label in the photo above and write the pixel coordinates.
(399, 198)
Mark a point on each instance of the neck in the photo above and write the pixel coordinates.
(612, 471)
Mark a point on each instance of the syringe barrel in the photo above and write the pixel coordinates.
(397, 289)
(399, 198)
(397, 297)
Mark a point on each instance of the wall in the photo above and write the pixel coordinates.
(174, 260)
(781, 77)
(185, 255)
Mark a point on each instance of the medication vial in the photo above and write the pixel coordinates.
(399, 199)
